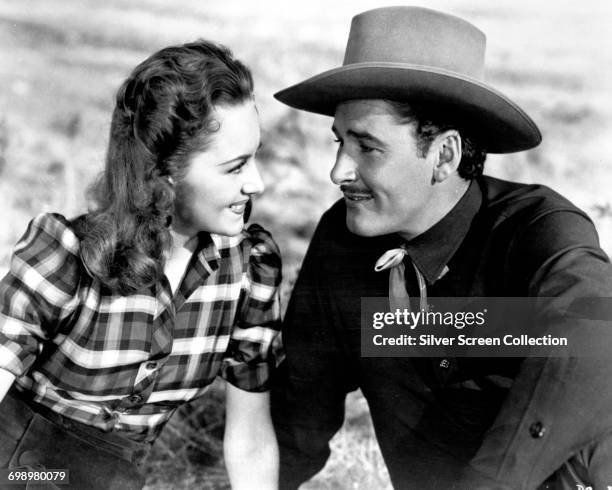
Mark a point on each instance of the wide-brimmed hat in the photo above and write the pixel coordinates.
(418, 54)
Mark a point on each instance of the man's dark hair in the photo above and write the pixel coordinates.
(429, 125)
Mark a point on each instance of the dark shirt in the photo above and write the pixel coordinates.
(501, 239)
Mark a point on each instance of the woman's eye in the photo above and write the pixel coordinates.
(237, 169)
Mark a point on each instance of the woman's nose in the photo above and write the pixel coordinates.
(253, 183)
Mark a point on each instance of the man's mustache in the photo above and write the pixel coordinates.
(349, 189)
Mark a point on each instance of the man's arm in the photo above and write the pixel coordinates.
(310, 388)
(556, 404)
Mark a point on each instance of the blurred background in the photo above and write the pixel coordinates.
(62, 60)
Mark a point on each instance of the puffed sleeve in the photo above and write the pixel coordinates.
(255, 347)
(38, 291)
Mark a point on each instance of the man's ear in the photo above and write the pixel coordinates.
(445, 150)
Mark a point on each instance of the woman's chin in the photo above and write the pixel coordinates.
(229, 230)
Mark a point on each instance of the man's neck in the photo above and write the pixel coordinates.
(445, 202)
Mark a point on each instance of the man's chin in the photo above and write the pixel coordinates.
(362, 227)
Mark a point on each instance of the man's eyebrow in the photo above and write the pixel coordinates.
(364, 135)
(361, 135)
(246, 156)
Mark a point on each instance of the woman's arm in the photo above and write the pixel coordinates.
(37, 293)
(250, 448)
(6, 380)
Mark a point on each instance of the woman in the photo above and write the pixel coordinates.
(110, 321)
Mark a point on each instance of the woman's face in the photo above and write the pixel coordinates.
(220, 180)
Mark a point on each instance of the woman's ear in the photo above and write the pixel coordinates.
(446, 148)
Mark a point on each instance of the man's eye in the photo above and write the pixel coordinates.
(366, 148)
(339, 141)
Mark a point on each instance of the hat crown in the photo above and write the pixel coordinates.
(417, 54)
(416, 36)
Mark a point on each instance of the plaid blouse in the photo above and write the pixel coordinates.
(126, 363)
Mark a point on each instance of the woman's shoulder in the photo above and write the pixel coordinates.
(48, 248)
(50, 231)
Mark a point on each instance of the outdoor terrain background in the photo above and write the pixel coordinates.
(62, 60)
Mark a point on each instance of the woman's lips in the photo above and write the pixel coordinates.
(239, 207)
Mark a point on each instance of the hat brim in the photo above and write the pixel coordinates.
(499, 124)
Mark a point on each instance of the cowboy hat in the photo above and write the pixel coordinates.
(418, 54)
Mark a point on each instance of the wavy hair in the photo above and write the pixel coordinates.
(164, 113)
(430, 123)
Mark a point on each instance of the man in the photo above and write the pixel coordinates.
(414, 120)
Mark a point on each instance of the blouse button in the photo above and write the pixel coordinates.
(135, 399)
(537, 430)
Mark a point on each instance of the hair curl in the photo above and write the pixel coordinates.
(430, 123)
(164, 113)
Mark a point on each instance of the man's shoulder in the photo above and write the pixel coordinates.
(505, 198)
(331, 231)
(332, 224)
(335, 215)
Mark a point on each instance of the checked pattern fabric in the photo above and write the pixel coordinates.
(126, 362)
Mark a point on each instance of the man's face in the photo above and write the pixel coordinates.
(387, 185)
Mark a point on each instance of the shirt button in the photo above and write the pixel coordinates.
(135, 399)
(444, 363)
(150, 366)
(537, 430)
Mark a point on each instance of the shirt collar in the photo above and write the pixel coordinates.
(204, 261)
(434, 248)
(207, 251)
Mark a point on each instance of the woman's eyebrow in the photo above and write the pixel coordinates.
(245, 156)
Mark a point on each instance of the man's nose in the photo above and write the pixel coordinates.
(253, 183)
(344, 170)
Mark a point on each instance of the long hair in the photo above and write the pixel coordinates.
(164, 113)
